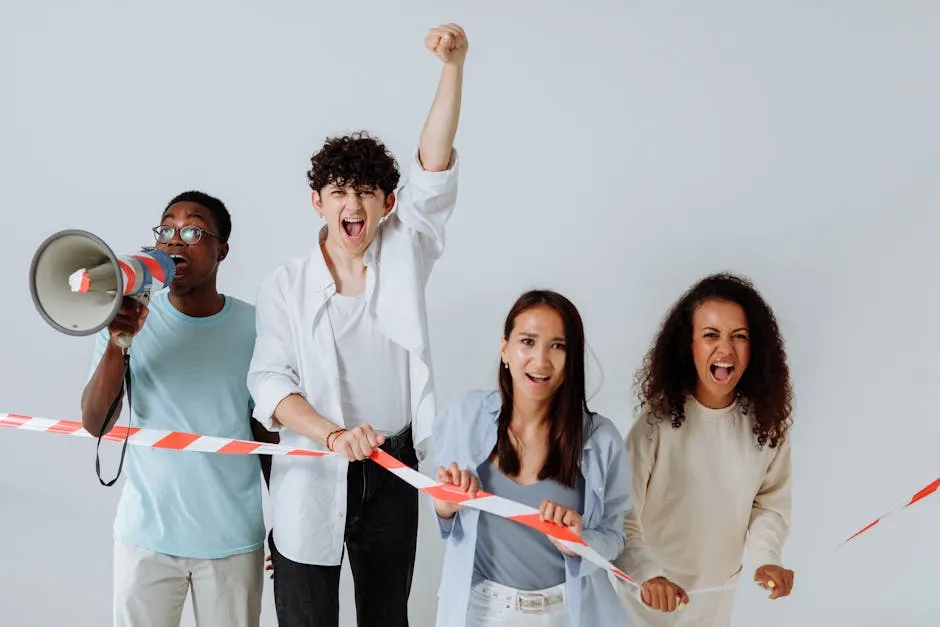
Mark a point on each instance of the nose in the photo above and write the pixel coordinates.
(541, 355)
(353, 201)
(725, 347)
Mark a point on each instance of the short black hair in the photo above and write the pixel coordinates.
(357, 160)
(220, 215)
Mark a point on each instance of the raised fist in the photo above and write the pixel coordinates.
(448, 42)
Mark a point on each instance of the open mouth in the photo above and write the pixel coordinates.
(721, 371)
(537, 378)
(353, 227)
(179, 260)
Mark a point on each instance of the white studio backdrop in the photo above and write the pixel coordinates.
(612, 151)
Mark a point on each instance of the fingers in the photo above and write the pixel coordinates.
(358, 443)
(459, 478)
(450, 35)
(561, 516)
(129, 319)
(474, 486)
(572, 520)
(446, 40)
(776, 579)
(663, 595)
(683, 597)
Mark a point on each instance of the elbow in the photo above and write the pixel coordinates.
(93, 420)
(435, 159)
(93, 427)
(88, 423)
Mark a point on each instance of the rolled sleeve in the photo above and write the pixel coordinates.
(272, 374)
(449, 526)
(426, 202)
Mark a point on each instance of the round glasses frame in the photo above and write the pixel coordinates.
(189, 234)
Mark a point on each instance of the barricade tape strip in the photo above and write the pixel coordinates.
(182, 441)
(505, 508)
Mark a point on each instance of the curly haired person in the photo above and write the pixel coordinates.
(710, 458)
(342, 362)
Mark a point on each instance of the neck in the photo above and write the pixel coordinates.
(713, 401)
(348, 270)
(529, 416)
(199, 303)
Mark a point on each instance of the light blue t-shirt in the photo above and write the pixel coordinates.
(190, 374)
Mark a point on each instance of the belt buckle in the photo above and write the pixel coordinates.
(532, 603)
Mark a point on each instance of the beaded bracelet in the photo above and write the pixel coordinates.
(336, 433)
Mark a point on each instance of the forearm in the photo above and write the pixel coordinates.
(766, 535)
(295, 413)
(101, 390)
(636, 559)
(440, 128)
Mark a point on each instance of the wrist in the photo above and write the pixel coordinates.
(331, 437)
(445, 510)
(453, 68)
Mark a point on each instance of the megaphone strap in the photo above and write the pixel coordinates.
(113, 416)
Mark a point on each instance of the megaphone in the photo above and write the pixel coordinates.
(77, 282)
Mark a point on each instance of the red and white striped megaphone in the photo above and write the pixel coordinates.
(77, 282)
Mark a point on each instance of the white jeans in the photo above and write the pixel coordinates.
(495, 604)
(150, 588)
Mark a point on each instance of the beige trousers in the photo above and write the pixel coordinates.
(150, 588)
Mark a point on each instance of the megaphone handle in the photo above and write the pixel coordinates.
(125, 385)
(124, 341)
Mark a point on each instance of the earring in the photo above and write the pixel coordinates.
(505, 365)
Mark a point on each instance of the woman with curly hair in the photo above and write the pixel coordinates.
(710, 458)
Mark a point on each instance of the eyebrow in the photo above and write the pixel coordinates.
(733, 331)
(534, 335)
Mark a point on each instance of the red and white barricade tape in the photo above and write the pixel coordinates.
(505, 508)
(180, 441)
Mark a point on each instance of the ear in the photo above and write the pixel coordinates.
(502, 350)
(389, 203)
(316, 200)
(223, 251)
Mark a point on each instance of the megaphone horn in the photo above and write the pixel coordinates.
(77, 282)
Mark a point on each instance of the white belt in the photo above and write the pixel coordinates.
(530, 602)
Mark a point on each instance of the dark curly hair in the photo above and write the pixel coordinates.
(357, 160)
(668, 373)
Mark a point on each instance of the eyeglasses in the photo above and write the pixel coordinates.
(189, 234)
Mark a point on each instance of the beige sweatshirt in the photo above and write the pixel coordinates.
(701, 493)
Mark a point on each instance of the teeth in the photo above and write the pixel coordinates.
(352, 220)
(722, 364)
(541, 377)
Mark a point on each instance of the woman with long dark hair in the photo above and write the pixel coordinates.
(710, 458)
(533, 441)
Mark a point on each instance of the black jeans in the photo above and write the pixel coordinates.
(381, 538)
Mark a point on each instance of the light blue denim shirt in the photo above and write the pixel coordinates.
(466, 433)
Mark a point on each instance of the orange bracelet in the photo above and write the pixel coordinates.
(336, 433)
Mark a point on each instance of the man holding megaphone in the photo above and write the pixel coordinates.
(184, 520)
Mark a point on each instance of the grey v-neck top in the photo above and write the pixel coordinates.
(510, 553)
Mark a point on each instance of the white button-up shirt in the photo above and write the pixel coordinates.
(295, 354)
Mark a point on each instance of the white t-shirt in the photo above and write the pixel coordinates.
(373, 370)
